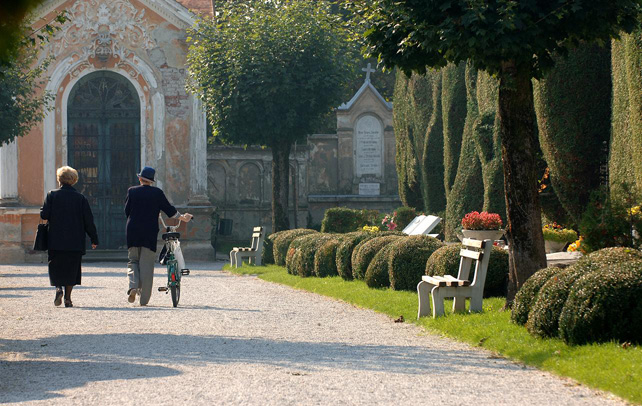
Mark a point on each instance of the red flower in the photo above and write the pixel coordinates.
(481, 221)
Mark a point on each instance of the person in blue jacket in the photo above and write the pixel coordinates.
(142, 207)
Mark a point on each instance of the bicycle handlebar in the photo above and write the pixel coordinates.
(170, 228)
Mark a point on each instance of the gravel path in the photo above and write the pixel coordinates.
(238, 340)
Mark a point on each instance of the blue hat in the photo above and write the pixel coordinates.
(147, 173)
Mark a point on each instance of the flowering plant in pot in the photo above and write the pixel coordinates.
(482, 226)
(556, 237)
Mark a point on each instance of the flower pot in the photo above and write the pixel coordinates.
(554, 246)
(483, 234)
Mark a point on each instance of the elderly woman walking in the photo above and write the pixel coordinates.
(70, 218)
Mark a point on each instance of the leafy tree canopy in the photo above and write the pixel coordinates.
(12, 16)
(268, 71)
(413, 34)
(21, 78)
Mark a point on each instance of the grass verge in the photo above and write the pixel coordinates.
(606, 366)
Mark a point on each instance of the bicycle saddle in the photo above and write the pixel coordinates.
(171, 236)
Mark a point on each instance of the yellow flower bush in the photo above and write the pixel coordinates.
(371, 229)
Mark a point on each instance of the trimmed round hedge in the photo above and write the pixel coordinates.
(294, 252)
(377, 274)
(281, 242)
(445, 261)
(608, 256)
(302, 262)
(605, 305)
(344, 252)
(325, 259)
(543, 319)
(365, 251)
(408, 260)
(526, 296)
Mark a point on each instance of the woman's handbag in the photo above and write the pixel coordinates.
(41, 243)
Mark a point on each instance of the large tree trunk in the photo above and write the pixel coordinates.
(519, 147)
(280, 186)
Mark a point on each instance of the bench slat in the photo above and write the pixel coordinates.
(257, 229)
(434, 280)
(256, 235)
(469, 242)
(470, 254)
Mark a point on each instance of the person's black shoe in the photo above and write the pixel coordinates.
(68, 303)
(58, 299)
(132, 295)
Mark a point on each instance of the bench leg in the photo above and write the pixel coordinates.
(238, 258)
(437, 302)
(459, 304)
(232, 259)
(476, 303)
(423, 293)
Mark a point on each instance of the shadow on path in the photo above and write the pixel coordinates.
(306, 355)
(39, 380)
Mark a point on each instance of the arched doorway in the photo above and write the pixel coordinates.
(103, 143)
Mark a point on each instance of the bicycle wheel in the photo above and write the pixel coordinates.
(176, 294)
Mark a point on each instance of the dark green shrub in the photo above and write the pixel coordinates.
(408, 260)
(378, 269)
(365, 251)
(404, 216)
(344, 252)
(543, 319)
(267, 255)
(573, 106)
(281, 242)
(605, 223)
(445, 261)
(625, 149)
(526, 296)
(325, 260)
(605, 305)
(303, 261)
(345, 220)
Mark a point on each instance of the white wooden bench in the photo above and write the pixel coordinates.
(460, 288)
(252, 253)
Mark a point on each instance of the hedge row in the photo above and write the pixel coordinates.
(281, 242)
(596, 299)
(365, 251)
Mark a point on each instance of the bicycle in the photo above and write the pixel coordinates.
(174, 261)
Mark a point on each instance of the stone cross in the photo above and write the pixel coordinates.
(368, 70)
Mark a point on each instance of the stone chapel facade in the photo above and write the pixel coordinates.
(120, 104)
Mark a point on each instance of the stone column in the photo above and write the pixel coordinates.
(9, 174)
(198, 156)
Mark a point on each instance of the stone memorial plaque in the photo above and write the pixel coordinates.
(369, 189)
(368, 146)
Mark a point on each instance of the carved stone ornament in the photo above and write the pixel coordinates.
(102, 28)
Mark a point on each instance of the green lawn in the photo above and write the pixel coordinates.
(603, 366)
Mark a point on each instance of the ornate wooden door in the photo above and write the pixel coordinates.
(103, 143)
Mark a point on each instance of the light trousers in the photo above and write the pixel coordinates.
(140, 271)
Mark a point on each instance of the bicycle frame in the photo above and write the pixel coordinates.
(175, 261)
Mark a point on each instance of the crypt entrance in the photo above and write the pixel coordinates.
(103, 144)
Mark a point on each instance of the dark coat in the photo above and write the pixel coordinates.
(142, 206)
(69, 218)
